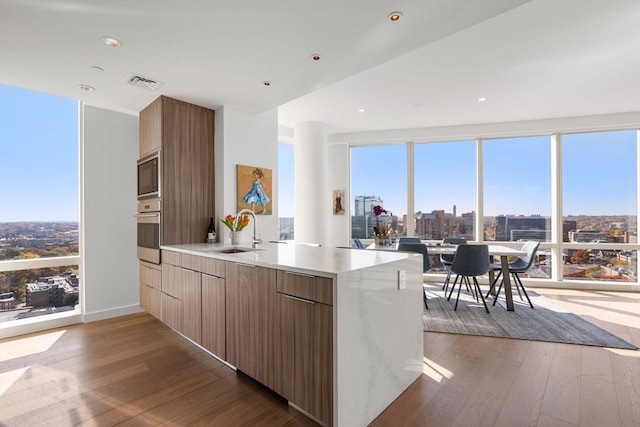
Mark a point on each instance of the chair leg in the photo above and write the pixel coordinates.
(475, 281)
(519, 282)
(498, 293)
(515, 279)
(453, 287)
(458, 297)
(493, 284)
(424, 297)
(446, 281)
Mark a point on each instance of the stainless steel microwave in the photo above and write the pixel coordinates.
(149, 176)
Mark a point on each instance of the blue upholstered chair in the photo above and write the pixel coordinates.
(520, 265)
(470, 261)
(408, 240)
(420, 248)
(447, 259)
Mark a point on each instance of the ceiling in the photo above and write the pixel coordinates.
(530, 59)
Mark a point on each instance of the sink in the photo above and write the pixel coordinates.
(231, 251)
(235, 250)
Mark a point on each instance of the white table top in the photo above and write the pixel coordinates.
(497, 250)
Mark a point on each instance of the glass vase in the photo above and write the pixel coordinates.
(235, 237)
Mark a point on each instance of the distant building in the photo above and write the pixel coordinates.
(507, 223)
(286, 228)
(363, 205)
(593, 236)
(567, 227)
(48, 291)
(7, 301)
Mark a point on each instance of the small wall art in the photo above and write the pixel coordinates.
(338, 202)
(254, 189)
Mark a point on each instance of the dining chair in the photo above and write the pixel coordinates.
(520, 265)
(420, 248)
(357, 243)
(409, 240)
(447, 259)
(470, 261)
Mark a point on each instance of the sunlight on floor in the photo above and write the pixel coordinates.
(434, 371)
(8, 378)
(28, 346)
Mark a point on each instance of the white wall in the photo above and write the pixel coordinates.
(246, 139)
(110, 265)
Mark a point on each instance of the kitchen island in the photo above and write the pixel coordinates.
(337, 332)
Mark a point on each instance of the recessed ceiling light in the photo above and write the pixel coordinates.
(86, 88)
(395, 16)
(266, 83)
(482, 99)
(316, 57)
(110, 41)
(361, 110)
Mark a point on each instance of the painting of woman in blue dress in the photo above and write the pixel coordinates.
(257, 196)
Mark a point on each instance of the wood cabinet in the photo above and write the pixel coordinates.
(150, 288)
(182, 300)
(214, 315)
(305, 343)
(151, 128)
(183, 133)
(251, 321)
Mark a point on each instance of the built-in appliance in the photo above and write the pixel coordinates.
(149, 176)
(149, 235)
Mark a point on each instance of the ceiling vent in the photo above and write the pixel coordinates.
(143, 82)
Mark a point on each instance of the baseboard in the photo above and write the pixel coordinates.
(112, 312)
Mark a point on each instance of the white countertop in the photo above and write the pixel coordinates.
(321, 261)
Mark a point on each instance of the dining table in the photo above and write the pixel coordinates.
(503, 252)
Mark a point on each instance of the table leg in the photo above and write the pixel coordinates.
(504, 259)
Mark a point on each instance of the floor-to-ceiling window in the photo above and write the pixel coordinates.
(576, 193)
(445, 189)
(39, 208)
(599, 205)
(286, 191)
(379, 178)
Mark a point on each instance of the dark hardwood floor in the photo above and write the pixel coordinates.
(134, 371)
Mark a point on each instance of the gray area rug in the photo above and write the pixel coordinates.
(546, 322)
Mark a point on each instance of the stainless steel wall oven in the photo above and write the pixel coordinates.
(149, 230)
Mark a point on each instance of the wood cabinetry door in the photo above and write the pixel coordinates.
(305, 367)
(213, 315)
(151, 128)
(251, 294)
(171, 311)
(150, 285)
(190, 282)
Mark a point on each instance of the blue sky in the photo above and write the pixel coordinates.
(38, 156)
(599, 175)
(39, 169)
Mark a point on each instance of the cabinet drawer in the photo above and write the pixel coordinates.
(150, 276)
(172, 257)
(319, 289)
(214, 267)
(190, 262)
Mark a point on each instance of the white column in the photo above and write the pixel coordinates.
(311, 194)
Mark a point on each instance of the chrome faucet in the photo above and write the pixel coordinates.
(256, 240)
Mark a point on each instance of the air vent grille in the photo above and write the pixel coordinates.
(143, 82)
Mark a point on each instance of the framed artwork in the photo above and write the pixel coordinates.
(338, 202)
(254, 189)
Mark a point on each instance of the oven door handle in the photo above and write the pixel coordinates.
(149, 218)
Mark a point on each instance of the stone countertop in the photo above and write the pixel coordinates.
(319, 261)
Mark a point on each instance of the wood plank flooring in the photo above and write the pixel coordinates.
(134, 371)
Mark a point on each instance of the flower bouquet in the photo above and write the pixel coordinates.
(235, 224)
(381, 233)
